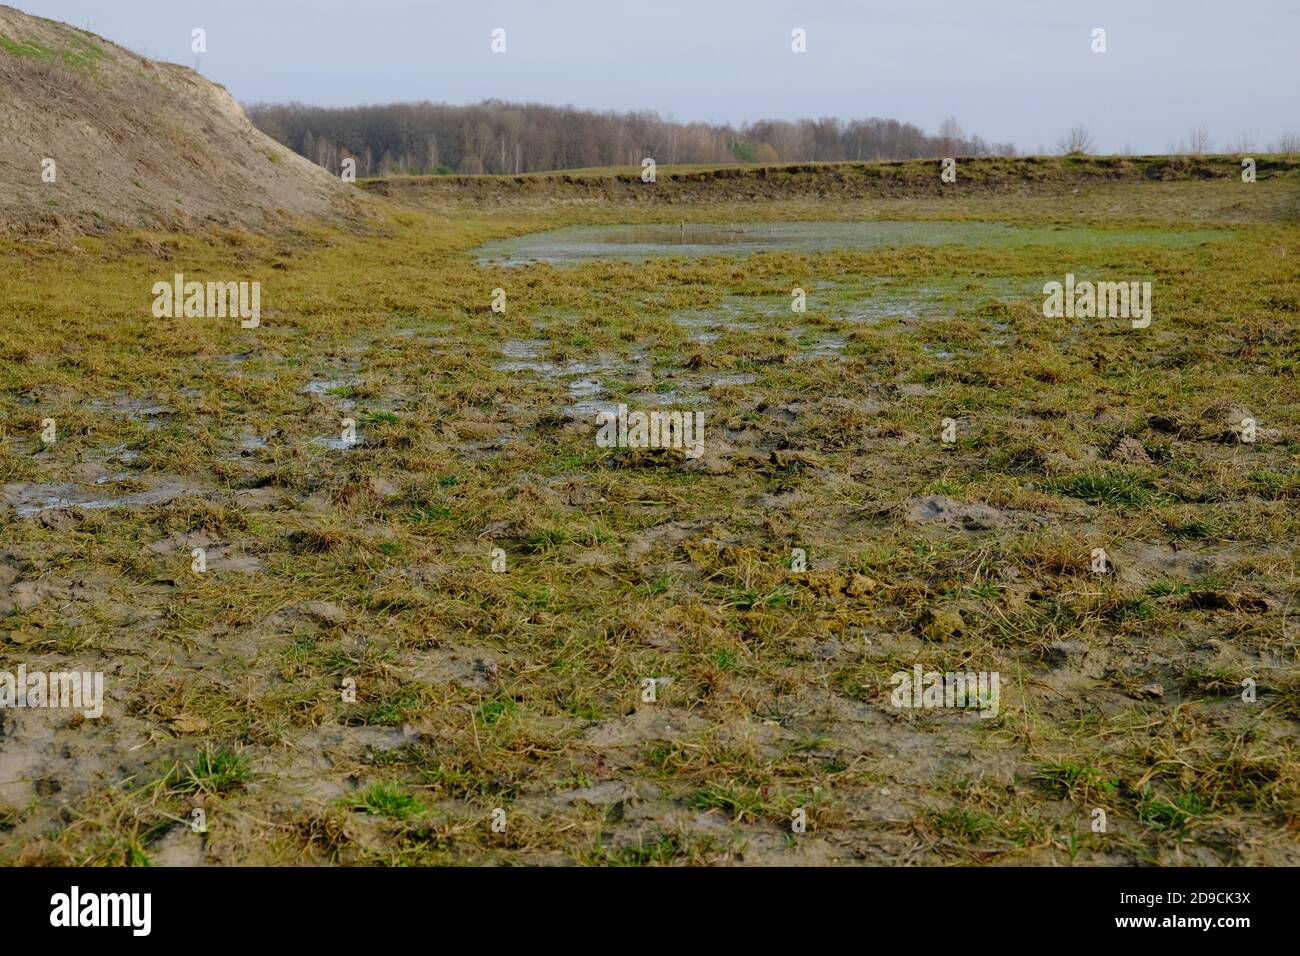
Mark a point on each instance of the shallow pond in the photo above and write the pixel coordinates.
(692, 240)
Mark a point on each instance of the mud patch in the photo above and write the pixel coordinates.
(937, 509)
(27, 499)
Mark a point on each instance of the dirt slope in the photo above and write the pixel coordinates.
(136, 142)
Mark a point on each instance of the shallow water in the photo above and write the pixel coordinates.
(692, 240)
(522, 348)
(829, 346)
(337, 444)
(330, 387)
(865, 302)
(729, 378)
(137, 409)
(590, 408)
(553, 369)
(30, 498)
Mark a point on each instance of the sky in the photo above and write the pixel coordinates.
(1011, 71)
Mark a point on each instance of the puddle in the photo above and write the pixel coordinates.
(121, 454)
(662, 399)
(867, 303)
(730, 378)
(909, 301)
(137, 408)
(727, 315)
(590, 409)
(554, 369)
(886, 306)
(829, 346)
(336, 444)
(325, 386)
(689, 321)
(29, 499)
(542, 368)
(522, 348)
(935, 352)
(692, 240)
(582, 401)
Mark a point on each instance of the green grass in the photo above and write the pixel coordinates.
(1278, 485)
(1116, 489)
(389, 800)
(738, 802)
(659, 851)
(215, 771)
(1132, 610)
(1175, 813)
(1075, 780)
(429, 514)
(967, 826)
(84, 57)
(29, 50)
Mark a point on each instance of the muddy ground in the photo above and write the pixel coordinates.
(458, 612)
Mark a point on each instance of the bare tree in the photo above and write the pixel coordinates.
(950, 137)
(1287, 143)
(1078, 140)
(1245, 143)
(1198, 143)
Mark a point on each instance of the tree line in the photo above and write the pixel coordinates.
(511, 138)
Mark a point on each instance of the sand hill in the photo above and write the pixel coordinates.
(135, 143)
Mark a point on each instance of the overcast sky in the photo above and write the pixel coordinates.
(1012, 70)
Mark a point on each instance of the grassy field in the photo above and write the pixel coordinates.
(350, 681)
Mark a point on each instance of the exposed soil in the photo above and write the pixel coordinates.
(136, 143)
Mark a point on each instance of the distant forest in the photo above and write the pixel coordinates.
(496, 137)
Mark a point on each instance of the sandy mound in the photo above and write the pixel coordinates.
(135, 143)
